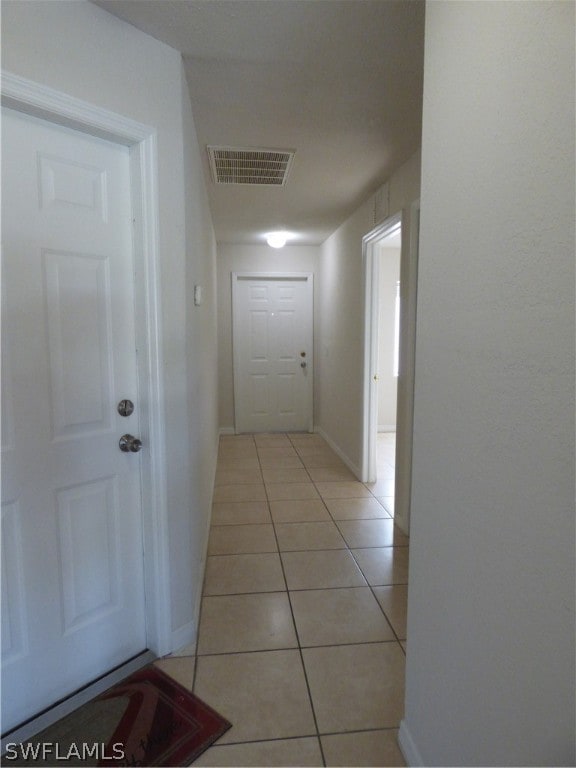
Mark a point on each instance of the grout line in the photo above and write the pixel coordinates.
(202, 594)
(294, 648)
(299, 645)
(288, 591)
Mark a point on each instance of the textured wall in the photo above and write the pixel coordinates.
(490, 660)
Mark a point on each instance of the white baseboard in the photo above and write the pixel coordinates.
(227, 431)
(351, 466)
(408, 747)
(188, 634)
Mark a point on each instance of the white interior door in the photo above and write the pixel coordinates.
(273, 352)
(72, 568)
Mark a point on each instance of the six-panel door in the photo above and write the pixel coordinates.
(273, 354)
(72, 580)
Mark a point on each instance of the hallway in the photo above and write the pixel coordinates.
(303, 622)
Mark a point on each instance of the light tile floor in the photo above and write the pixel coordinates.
(303, 620)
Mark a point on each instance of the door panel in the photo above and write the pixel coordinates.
(273, 360)
(81, 395)
(73, 594)
(88, 526)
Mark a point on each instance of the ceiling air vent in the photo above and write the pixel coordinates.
(236, 165)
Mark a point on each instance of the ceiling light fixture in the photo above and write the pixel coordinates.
(277, 239)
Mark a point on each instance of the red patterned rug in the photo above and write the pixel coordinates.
(148, 719)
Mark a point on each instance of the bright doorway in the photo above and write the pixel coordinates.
(390, 253)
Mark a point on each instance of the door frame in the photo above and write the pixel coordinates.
(40, 101)
(408, 220)
(309, 278)
(371, 262)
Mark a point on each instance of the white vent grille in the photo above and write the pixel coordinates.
(234, 165)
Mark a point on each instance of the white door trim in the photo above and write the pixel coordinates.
(371, 299)
(309, 278)
(44, 102)
(408, 218)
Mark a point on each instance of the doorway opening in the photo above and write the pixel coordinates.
(390, 272)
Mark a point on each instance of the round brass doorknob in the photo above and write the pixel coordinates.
(130, 444)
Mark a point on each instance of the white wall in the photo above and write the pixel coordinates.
(81, 50)
(249, 258)
(340, 331)
(490, 658)
(202, 372)
(389, 274)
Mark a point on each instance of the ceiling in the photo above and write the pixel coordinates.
(339, 81)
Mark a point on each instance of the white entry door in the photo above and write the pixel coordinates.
(273, 363)
(72, 566)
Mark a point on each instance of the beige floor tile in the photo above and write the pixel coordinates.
(383, 565)
(382, 487)
(179, 668)
(385, 470)
(281, 491)
(286, 476)
(277, 450)
(355, 509)
(245, 688)
(345, 490)
(331, 474)
(322, 459)
(270, 437)
(356, 687)
(231, 441)
(374, 748)
(394, 602)
(237, 574)
(306, 536)
(238, 623)
(283, 752)
(314, 448)
(241, 539)
(321, 569)
(240, 512)
(228, 455)
(231, 451)
(298, 511)
(282, 462)
(239, 492)
(386, 457)
(339, 616)
(236, 447)
(372, 533)
(236, 439)
(242, 462)
(186, 650)
(307, 437)
(238, 476)
(388, 503)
